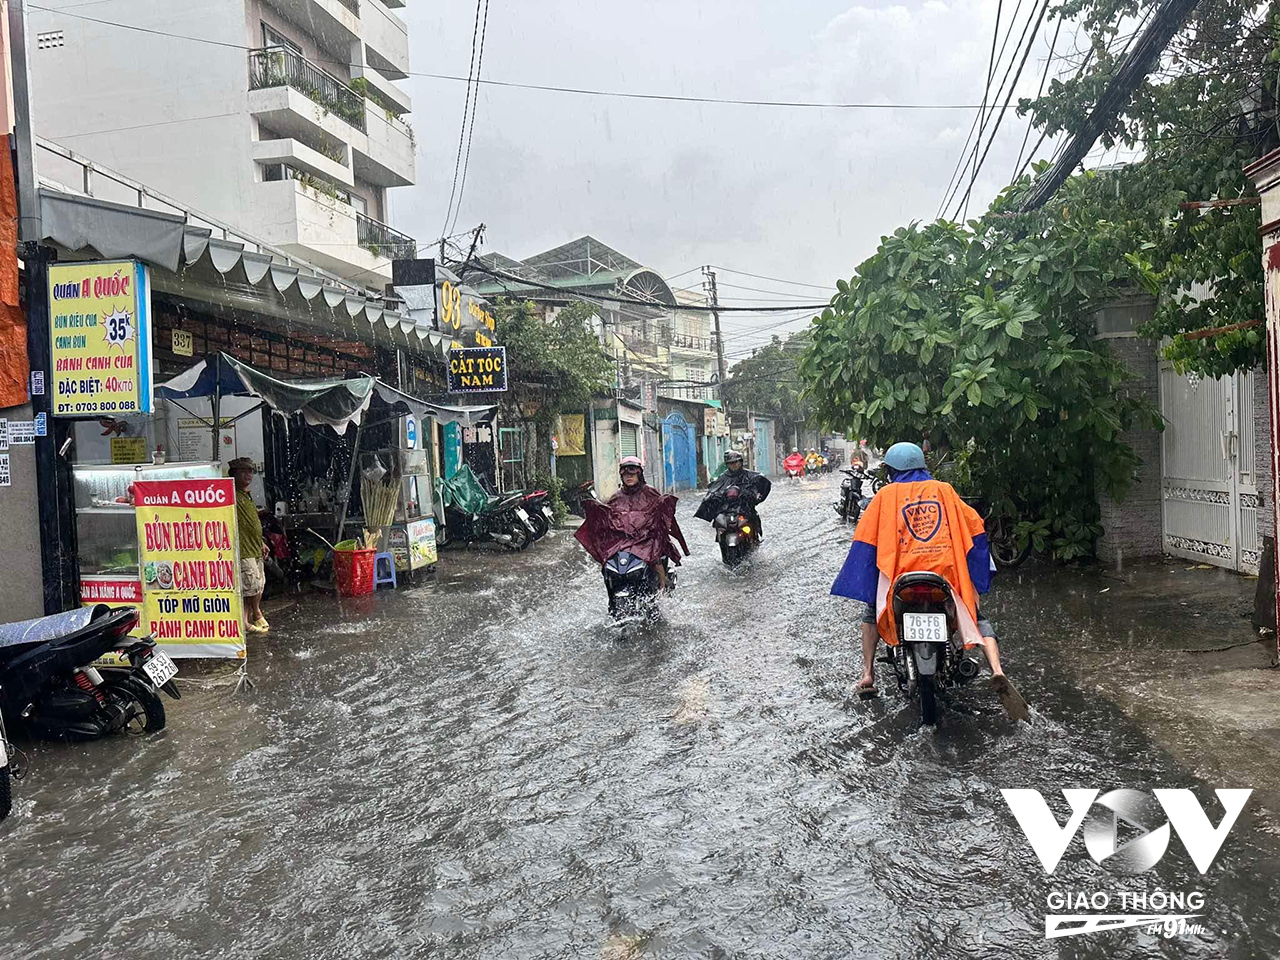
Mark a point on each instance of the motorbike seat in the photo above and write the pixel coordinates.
(918, 578)
(44, 629)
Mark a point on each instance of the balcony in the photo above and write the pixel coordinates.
(298, 156)
(335, 24)
(680, 341)
(388, 155)
(386, 40)
(311, 219)
(275, 67)
(383, 242)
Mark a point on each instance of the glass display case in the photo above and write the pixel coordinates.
(105, 527)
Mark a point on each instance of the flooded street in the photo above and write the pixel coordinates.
(476, 768)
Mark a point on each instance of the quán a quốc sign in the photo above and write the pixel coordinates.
(100, 338)
(478, 370)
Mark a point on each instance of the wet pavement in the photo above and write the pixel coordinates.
(477, 768)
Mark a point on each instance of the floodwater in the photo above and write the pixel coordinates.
(477, 768)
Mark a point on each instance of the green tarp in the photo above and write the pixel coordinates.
(463, 491)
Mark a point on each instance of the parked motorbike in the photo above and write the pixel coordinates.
(537, 503)
(48, 688)
(573, 497)
(737, 528)
(632, 587)
(849, 506)
(503, 521)
(929, 655)
(473, 515)
(1007, 549)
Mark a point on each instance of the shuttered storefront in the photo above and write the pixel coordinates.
(629, 443)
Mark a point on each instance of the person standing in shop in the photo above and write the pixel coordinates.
(253, 548)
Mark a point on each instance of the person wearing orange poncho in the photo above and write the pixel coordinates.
(919, 523)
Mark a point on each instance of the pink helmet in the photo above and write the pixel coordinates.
(630, 462)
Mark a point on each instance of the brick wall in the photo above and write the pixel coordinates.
(1132, 527)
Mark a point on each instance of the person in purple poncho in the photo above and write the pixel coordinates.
(637, 519)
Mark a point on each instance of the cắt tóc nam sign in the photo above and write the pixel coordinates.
(478, 370)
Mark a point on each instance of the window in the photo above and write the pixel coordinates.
(274, 38)
(361, 205)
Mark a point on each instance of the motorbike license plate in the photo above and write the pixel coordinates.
(548, 513)
(4, 759)
(522, 513)
(924, 627)
(160, 668)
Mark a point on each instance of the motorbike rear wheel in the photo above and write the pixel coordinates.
(928, 700)
(149, 715)
(540, 525)
(1005, 549)
(520, 537)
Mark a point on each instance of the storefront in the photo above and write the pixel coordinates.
(118, 328)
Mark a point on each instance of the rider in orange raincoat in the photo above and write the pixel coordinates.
(918, 523)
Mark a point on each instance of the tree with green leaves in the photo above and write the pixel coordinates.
(981, 337)
(1205, 113)
(559, 360)
(767, 382)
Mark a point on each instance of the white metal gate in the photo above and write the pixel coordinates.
(1210, 493)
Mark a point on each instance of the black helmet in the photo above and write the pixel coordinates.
(731, 455)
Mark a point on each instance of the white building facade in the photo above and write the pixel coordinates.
(281, 116)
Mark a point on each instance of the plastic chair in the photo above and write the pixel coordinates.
(379, 578)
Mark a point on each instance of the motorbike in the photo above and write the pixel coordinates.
(632, 586)
(48, 687)
(573, 497)
(794, 467)
(849, 506)
(473, 515)
(929, 655)
(734, 528)
(537, 503)
(503, 521)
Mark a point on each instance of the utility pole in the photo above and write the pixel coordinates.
(709, 284)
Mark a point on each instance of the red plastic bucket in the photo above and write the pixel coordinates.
(353, 571)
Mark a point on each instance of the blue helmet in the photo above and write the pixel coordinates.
(904, 456)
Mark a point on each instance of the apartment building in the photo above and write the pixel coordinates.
(284, 117)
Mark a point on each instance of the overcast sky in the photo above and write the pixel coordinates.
(801, 194)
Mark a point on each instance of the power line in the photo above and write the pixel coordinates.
(632, 301)
(1119, 92)
(780, 293)
(466, 106)
(957, 175)
(549, 88)
(1017, 167)
(760, 276)
(1044, 8)
(475, 104)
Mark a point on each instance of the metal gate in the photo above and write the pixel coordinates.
(679, 458)
(511, 450)
(1210, 494)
